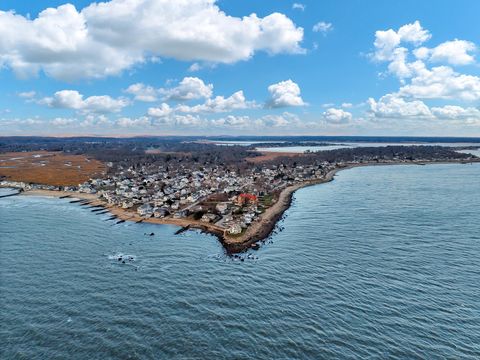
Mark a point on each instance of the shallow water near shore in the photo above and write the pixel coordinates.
(383, 262)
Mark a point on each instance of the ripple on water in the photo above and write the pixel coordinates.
(380, 263)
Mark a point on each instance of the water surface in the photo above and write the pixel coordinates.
(381, 263)
(356, 144)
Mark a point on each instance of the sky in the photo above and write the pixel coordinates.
(229, 67)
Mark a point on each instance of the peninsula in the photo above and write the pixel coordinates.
(236, 193)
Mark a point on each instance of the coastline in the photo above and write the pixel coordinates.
(258, 231)
(126, 215)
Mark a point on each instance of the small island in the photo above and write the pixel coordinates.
(236, 193)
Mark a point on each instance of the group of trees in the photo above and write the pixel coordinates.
(187, 152)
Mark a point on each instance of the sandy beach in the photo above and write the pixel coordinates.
(123, 214)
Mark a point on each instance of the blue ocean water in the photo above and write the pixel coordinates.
(382, 263)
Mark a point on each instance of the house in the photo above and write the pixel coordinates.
(222, 208)
(235, 229)
(127, 204)
(160, 213)
(208, 218)
(244, 199)
(158, 202)
(145, 210)
(196, 208)
(181, 214)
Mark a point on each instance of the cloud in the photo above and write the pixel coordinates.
(454, 52)
(387, 48)
(72, 99)
(284, 94)
(387, 41)
(162, 111)
(283, 120)
(337, 116)
(127, 122)
(106, 38)
(218, 104)
(391, 106)
(190, 88)
(62, 121)
(399, 65)
(298, 6)
(173, 118)
(143, 92)
(322, 27)
(452, 112)
(418, 81)
(441, 82)
(27, 94)
(268, 121)
(234, 121)
(194, 67)
(421, 53)
(414, 33)
(95, 120)
(187, 120)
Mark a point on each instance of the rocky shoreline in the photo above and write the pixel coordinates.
(257, 232)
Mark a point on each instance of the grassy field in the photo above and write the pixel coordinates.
(52, 168)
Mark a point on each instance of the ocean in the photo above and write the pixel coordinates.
(381, 263)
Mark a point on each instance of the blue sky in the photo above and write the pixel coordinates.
(297, 67)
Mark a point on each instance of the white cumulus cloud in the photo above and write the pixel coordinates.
(190, 88)
(337, 116)
(142, 92)
(106, 38)
(127, 122)
(386, 41)
(441, 82)
(284, 94)
(218, 104)
(453, 112)
(455, 52)
(162, 111)
(72, 99)
(392, 106)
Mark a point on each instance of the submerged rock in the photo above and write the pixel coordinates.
(255, 246)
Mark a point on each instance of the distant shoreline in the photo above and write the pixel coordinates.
(258, 231)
